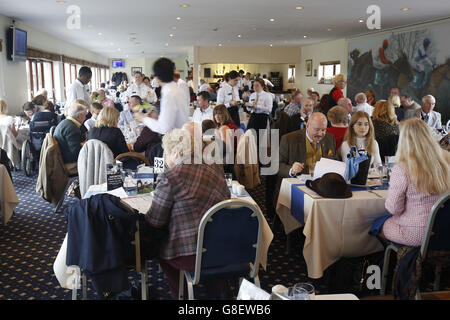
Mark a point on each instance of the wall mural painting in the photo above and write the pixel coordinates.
(417, 62)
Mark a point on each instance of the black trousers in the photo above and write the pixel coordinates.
(234, 113)
(257, 121)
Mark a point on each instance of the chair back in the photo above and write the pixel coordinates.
(388, 146)
(229, 234)
(437, 235)
(92, 161)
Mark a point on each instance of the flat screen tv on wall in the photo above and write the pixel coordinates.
(16, 44)
(118, 64)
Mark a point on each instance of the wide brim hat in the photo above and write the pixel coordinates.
(330, 185)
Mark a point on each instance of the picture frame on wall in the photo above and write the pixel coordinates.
(308, 68)
(136, 69)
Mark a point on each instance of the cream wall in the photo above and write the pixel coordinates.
(147, 66)
(13, 75)
(322, 52)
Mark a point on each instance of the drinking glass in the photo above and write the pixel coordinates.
(309, 288)
(311, 167)
(381, 172)
(297, 293)
(228, 178)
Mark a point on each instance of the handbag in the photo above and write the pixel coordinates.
(357, 166)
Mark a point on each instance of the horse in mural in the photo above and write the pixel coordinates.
(397, 74)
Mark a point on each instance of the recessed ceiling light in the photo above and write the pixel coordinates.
(361, 20)
(271, 45)
(271, 19)
(100, 33)
(299, 8)
(304, 36)
(220, 44)
(60, 2)
(329, 29)
(405, 9)
(167, 44)
(184, 5)
(178, 18)
(170, 35)
(239, 36)
(119, 49)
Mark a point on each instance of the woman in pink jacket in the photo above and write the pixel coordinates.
(421, 175)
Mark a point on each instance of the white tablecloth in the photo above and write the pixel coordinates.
(333, 228)
(65, 274)
(8, 196)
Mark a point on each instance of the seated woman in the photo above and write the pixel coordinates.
(47, 113)
(106, 131)
(360, 133)
(416, 184)
(182, 196)
(6, 120)
(384, 119)
(224, 123)
(315, 96)
(338, 117)
(147, 139)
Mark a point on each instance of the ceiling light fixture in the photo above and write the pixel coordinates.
(184, 5)
(405, 9)
(239, 36)
(271, 45)
(220, 44)
(119, 49)
(100, 33)
(271, 19)
(178, 18)
(304, 36)
(329, 29)
(361, 20)
(299, 8)
(170, 35)
(60, 2)
(167, 44)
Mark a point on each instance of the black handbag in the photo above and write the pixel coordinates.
(363, 171)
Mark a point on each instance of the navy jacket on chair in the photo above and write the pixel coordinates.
(100, 231)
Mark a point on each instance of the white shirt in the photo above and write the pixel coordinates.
(360, 142)
(183, 85)
(155, 83)
(225, 94)
(138, 90)
(90, 123)
(204, 87)
(125, 117)
(268, 83)
(77, 90)
(367, 108)
(247, 83)
(264, 103)
(200, 115)
(174, 110)
(190, 84)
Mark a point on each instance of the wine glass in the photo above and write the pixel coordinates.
(228, 178)
(309, 288)
(381, 172)
(298, 293)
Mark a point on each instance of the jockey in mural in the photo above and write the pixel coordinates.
(422, 65)
(381, 62)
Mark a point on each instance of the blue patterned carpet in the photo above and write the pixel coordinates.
(30, 243)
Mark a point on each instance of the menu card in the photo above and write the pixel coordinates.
(114, 176)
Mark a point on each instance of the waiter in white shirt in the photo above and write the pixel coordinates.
(229, 96)
(267, 82)
(203, 86)
(80, 88)
(260, 105)
(204, 111)
(183, 85)
(138, 88)
(247, 81)
(174, 111)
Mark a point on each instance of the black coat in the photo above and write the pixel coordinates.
(113, 137)
(99, 235)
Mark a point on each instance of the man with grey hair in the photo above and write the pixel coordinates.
(295, 106)
(362, 105)
(346, 103)
(432, 118)
(69, 137)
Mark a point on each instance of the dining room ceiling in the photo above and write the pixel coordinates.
(143, 28)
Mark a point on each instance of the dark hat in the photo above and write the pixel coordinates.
(331, 185)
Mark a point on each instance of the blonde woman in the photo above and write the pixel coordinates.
(421, 175)
(106, 131)
(360, 133)
(6, 120)
(182, 196)
(384, 119)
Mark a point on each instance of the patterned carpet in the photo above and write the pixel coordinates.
(30, 243)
